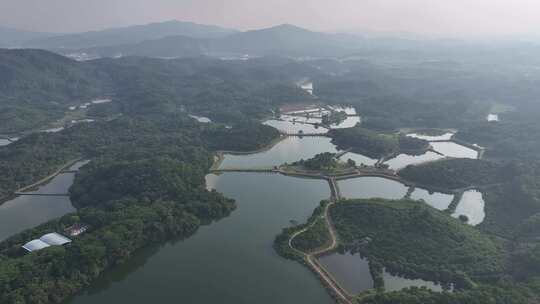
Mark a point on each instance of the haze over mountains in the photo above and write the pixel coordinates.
(113, 36)
(186, 39)
(176, 39)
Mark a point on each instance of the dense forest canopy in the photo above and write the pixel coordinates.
(145, 183)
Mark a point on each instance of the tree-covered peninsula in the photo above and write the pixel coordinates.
(376, 144)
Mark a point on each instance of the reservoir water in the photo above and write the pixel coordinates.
(350, 270)
(201, 119)
(26, 212)
(437, 200)
(451, 149)
(295, 127)
(396, 283)
(445, 136)
(403, 160)
(289, 150)
(492, 117)
(371, 187)
(230, 261)
(471, 205)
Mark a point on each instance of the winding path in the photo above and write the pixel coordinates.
(311, 257)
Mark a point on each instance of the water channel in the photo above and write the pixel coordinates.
(24, 212)
(232, 260)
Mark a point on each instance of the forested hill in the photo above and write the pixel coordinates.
(41, 77)
(38, 87)
(130, 34)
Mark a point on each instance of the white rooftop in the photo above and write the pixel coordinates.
(55, 239)
(50, 239)
(35, 245)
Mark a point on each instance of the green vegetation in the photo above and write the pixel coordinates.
(335, 117)
(411, 238)
(37, 87)
(321, 162)
(484, 294)
(364, 141)
(376, 144)
(281, 243)
(517, 139)
(457, 173)
(315, 237)
(145, 184)
(38, 155)
(411, 145)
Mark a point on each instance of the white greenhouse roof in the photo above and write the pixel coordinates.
(55, 239)
(35, 245)
(50, 239)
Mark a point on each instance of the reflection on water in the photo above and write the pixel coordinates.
(201, 119)
(26, 212)
(4, 142)
(493, 117)
(371, 187)
(359, 159)
(289, 150)
(230, 261)
(53, 130)
(445, 136)
(350, 270)
(308, 87)
(437, 200)
(306, 123)
(295, 127)
(396, 283)
(349, 122)
(403, 160)
(452, 149)
(471, 205)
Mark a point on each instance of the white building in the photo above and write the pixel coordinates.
(50, 239)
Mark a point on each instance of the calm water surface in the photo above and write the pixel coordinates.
(371, 187)
(26, 212)
(437, 200)
(445, 136)
(359, 159)
(288, 150)
(396, 283)
(295, 127)
(351, 271)
(231, 261)
(452, 149)
(472, 205)
(403, 160)
(492, 117)
(201, 119)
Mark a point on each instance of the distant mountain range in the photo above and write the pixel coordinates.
(10, 37)
(114, 36)
(176, 39)
(284, 40)
(131, 34)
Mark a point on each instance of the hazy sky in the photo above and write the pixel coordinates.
(440, 17)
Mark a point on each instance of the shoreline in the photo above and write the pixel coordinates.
(40, 182)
